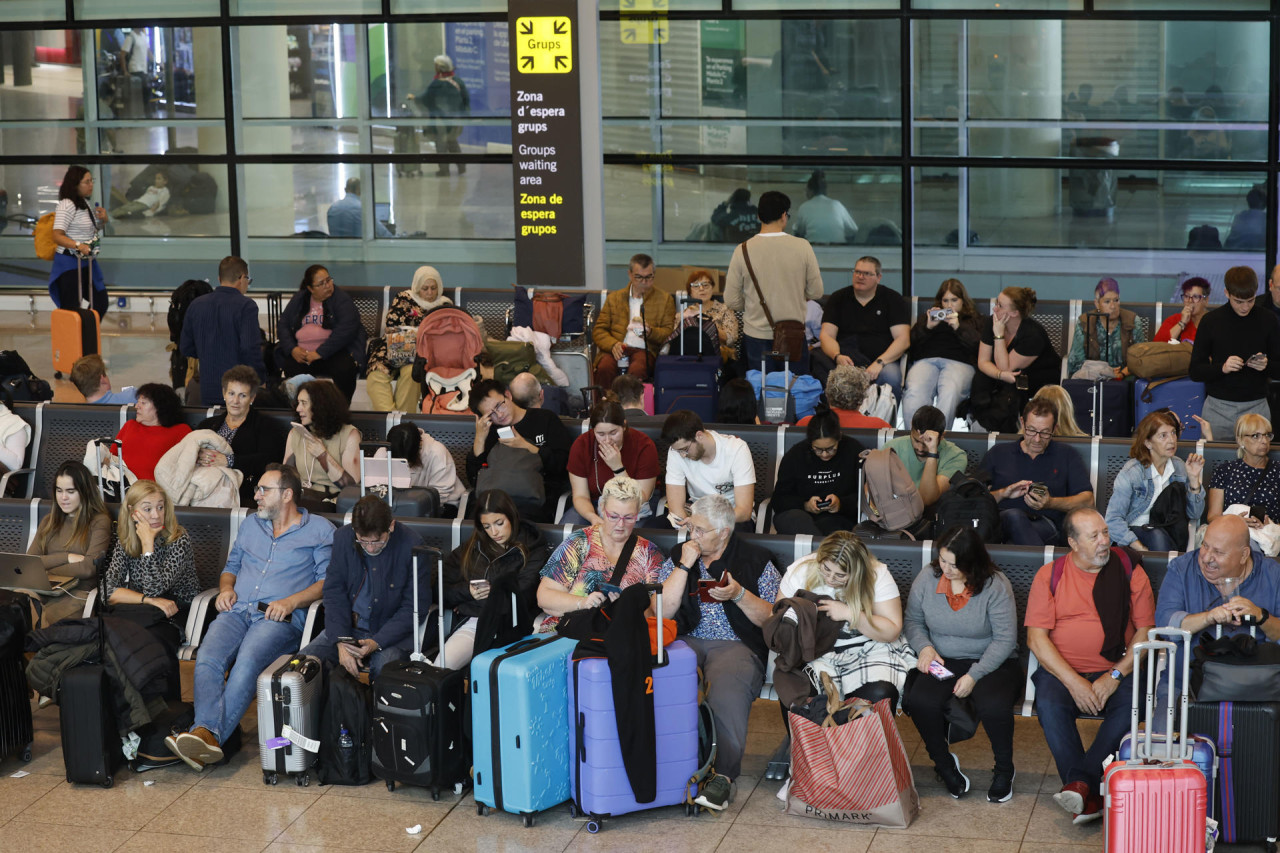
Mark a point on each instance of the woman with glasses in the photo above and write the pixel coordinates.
(151, 578)
(1251, 480)
(1152, 468)
(320, 332)
(1112, 331)
(256, 441)
(323, 446)
(502, 544)
(870, 659)
(817, 488)
(719, 324)
(1195, 302)
(962, 616)
(608, 449)
(944, 353)
(572, 578)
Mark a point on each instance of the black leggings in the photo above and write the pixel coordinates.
(69, 293)
(993, 697)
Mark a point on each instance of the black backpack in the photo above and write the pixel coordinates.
(969, 503)
(181, 300)
(346, 717)
(18, 382)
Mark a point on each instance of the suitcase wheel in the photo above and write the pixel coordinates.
(573, 809)
(108, 782)
(269, 778)
(304, 781)
(528, 820)
(481, 810)
(593, 826)
(435, 794)
(26, 753)
(391, 786)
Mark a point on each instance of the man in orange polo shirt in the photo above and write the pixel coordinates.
(1081, 625)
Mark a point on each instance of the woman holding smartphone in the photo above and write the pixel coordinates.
(963, 625)
(944, 353)
(502, 544)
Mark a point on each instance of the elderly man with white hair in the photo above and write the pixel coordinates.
(392, 357)
(725, 588)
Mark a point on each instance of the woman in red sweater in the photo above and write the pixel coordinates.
(156, 426)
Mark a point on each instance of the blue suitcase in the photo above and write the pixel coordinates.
(520, 725)
(686, 382)
(1183, 396)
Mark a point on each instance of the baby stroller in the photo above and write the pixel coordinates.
(448, 343)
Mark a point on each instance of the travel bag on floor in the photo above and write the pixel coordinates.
(75, 330)
(290, 693)
(520, 725)
(15, 696)
(1184, 396)
(90, 743)
(1247, 797)
(419, 712)
(1158, 799)
(601, 787)
(346, 731)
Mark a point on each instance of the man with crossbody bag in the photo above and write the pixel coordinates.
(770, 280)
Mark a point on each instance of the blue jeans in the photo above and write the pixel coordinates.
(891, 375)
(1021, 529)
(754, 349)
(1058, 713)
(243, 641)
(327, 650)
(946, 378)
(1155, 539)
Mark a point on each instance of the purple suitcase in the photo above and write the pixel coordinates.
(600, 785)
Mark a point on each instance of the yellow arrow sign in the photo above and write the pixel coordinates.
(627, 6)
(643, 31)
(544, 45)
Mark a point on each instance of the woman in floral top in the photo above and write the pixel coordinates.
(572, 577)
(388, 364)
(719, 323)
(153, 568)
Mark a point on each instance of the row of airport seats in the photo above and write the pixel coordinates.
(61, 431)
(213, 532)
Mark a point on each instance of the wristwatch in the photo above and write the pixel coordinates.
(880, 361)
(931, 456)
(1117, 675)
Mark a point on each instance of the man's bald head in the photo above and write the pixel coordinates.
(526, 391)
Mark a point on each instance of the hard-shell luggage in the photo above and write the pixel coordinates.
(1184, 396)
(1102, 408)
(15, 702)
(419, 713)
(520, 725)
(75, 330)
(601, 788)
(405, 502)
(90, 743)
(686, 381)
(1159, 799)
(1247, 798)
(776, 404)
(290, 693)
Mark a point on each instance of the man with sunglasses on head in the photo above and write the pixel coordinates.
(1236, 353)
(274, 572)
(1036, 481)
(633, 324)
(368, 592)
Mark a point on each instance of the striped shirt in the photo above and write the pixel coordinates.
(75, 223)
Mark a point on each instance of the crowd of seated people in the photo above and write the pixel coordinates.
(961, 613)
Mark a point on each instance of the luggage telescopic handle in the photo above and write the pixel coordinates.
(375, 446)
(1178, 636)
(427, 551)
(656, 589)
(1150, 648)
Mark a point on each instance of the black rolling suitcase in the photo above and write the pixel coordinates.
(419, 714)
(1102, 408)
(15, 699)
(1247, 734)
(90, 745)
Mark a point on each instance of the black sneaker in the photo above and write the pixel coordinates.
(957, 783)
(1001, 790)
(716, 793)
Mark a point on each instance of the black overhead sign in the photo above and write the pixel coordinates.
(546, 142)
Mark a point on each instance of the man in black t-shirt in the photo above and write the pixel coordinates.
(867, 325)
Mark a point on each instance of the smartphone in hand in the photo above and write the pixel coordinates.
(506, 432)
(705, 586)
(939, 671)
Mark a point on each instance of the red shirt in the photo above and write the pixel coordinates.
(144, 445)
(851, 420)
(1166, 330)
(639, 457)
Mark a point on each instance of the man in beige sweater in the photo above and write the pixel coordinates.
(788, 274)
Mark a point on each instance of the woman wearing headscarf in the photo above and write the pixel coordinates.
(391, 356)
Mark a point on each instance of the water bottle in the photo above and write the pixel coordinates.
(344, 738)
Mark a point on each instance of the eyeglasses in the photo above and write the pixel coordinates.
(1037, 433)
(1194, 297)
(702, 284)
(248, 278)
(373, 543)
(1259, 435)
(621, 519)
(865, 273)
(648, 277)
(268, 489)
(322, 282)
(697, 532)
(824, 451)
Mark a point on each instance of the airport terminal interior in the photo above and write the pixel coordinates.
(1040, 143)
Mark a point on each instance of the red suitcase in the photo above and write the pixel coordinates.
(1149, 804)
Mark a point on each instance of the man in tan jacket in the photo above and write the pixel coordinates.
(633, 323)
(788, 273)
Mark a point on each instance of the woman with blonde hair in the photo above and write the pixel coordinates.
(870, 659)
(1066, 426)
(391, 356)
(1251, 479)
(151, 578)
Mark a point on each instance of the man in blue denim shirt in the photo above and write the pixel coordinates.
(275, 571)
(1217, 585)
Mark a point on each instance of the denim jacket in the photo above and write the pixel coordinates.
(1132, 492)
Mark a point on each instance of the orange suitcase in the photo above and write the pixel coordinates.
(74, 332)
